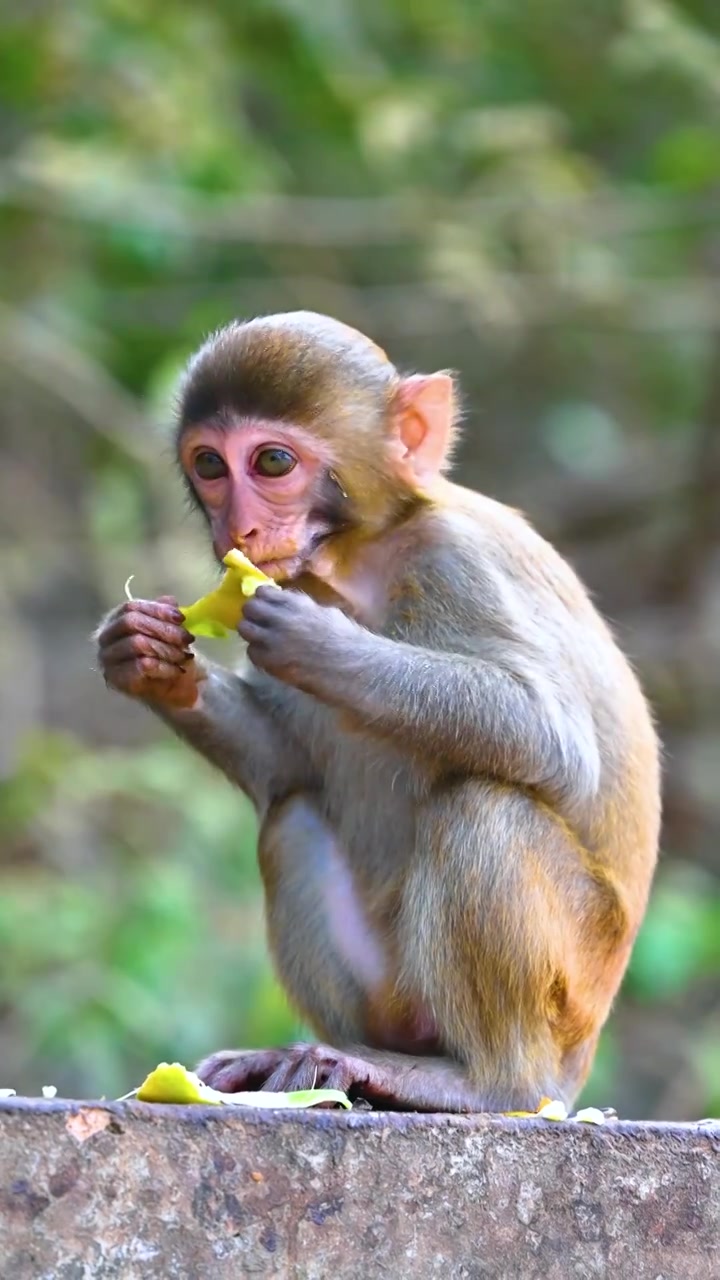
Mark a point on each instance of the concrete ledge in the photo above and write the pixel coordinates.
(189, 1193)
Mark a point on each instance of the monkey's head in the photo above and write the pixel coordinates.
(294, 430)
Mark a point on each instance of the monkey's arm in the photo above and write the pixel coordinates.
(144, 652)
(477, 716)
(502, 715)
(235, 731)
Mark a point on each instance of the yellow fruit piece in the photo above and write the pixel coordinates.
(553, 1111)
(218, 613)
(526, 1115)
(590, 1115)
(171, 1082)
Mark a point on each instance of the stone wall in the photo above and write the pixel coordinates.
(189, 1193)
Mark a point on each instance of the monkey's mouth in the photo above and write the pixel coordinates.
(281, 570)
(285, 568)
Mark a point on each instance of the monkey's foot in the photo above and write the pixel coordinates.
(393, 1082)
(300, 1066)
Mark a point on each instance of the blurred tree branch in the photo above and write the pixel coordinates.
(64, 191)
(32, 348)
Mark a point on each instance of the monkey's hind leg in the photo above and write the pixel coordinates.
(329, 960)
(323, 949)
(498, 934)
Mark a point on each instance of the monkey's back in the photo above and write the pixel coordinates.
(476, 580)
(528, 599)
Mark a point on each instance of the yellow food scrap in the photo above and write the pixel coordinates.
(553, 1111)
(173, 1083)
(590, 1115)
(218, 613)
(547, 1109)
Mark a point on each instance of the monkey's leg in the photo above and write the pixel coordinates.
(319, 939)
(332, 964)
(513, 940)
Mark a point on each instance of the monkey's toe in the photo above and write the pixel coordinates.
(239, 1070)
(299, 1066)
(311, 1066)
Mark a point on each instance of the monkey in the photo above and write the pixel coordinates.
(455, 770)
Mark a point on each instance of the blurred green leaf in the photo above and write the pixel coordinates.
(688, 158)
(680, 938)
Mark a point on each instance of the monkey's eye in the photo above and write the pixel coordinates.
(274, 462)
(209, 465)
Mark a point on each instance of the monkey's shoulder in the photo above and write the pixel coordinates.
(473, 549)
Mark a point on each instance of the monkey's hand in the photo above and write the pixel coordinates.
(292, 637)
(143, 651)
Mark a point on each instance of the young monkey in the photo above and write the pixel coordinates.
(454, 769)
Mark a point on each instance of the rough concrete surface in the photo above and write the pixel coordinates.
(185, 1193)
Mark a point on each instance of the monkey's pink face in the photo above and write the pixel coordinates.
(266, 488)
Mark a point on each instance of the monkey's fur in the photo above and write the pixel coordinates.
(455, 771)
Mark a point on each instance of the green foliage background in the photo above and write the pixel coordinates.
(527, 193)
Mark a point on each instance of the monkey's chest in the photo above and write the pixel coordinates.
(366, 791)
(348, 847)
(369, 798)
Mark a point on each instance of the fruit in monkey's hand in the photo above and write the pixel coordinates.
(218, 613)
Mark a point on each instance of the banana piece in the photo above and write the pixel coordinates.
(218, 613)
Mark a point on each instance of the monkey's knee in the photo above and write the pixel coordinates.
(488, 936)
(294, 837)
(324, 948)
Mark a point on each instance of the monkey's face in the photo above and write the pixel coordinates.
(267, 488)
(273, 410)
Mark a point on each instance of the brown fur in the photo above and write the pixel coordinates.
(473, 757)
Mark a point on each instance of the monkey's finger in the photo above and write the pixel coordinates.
(258, 611)
(291, 1076)
(268, 591)
(270, 600)
(363, 1079)
(140, 646)
(145, 678)
(163, 607)
(139, 671)
(233, 1071)
(159, 621)
(252, 632)
(342, 1076)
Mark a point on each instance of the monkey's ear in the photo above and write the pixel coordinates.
(424, 422)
